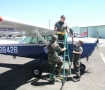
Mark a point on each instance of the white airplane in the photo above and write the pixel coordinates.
(9, 32)
(35, 40)
(80, 35)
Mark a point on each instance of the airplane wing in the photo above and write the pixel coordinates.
(27, 28)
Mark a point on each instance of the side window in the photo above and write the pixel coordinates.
(40, 41)
(49, 38)
(43, 37)
(46, 38)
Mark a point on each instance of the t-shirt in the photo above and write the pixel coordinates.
(77, 49)
(61, 26)
(53, 49)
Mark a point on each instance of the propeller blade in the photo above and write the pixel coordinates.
(97, 47)
(97, 39)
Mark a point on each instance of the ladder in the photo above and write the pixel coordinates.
(66, 57)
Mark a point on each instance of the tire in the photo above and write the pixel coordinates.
(82, 67)
(37, 72)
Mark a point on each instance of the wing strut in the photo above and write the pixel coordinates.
(38, 34)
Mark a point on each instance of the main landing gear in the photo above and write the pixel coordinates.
(37, 72)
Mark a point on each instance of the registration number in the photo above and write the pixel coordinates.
(9, 49)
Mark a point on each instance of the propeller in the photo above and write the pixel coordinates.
(97, 41)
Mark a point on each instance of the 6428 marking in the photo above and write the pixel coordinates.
(10, 49)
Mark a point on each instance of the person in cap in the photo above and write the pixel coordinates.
(53, 58)
(61, 28)
(76, 60)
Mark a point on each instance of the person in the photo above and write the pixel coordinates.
(61, 28)
(76, 60)
(53, 58)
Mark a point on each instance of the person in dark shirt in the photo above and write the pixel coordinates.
(61, 28)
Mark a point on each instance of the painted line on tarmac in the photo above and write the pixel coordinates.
(102, 56)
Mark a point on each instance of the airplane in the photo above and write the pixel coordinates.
(80, 35)
(13, 34)
(5, 31)
(33, 43)
(8, 33)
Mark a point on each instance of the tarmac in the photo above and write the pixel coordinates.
(16, 74)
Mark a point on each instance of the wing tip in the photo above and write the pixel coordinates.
(1, 18)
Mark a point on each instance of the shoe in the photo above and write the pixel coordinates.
(76, 79)
(57, 72)
(74, 76)
(52, 81)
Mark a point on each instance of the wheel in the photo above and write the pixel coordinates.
(82, 67)
(37, 72)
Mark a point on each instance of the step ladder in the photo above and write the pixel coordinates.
(66, 56)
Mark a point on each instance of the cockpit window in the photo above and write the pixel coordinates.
(45, 37)
(40, 41)
(27, 40)
(49, 37)
(34, 40)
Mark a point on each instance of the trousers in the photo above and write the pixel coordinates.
(57, 62)
(77, 68)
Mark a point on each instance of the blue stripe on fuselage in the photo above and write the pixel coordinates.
(37, 51)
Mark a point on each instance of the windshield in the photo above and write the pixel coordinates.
(31, 40)
(21, 40)
(34, 40)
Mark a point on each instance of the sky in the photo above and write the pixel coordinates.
(77, 12)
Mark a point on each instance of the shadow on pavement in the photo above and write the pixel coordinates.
(18, 74)
(44, 77)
